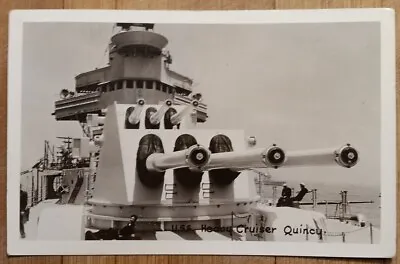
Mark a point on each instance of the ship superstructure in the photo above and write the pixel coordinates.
(139, 67)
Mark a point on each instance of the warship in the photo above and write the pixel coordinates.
(143, 170)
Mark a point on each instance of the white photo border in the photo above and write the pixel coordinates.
(387, 246)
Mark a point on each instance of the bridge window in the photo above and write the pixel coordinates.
(119, 85)
(112, 87)
(149, 84)
(170, 90)
(164, 88)
(129, 84)
(104, 88)
(158, 86)
(139, 84)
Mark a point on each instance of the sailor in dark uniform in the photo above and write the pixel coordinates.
(126, 233)
(286, 198)
(303, 191)
(23, 198)
(129, 230)
(286, 191)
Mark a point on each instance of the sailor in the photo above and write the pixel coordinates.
(286, 191)
(129, 230)
(303, 191)
(108, 234)
(23, 197)
(286, 198)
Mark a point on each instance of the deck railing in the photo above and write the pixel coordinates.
(345, 234)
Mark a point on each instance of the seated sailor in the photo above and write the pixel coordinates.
(286, 199)
(300, 195)
(128, 231)
(125, 233)
(286, 191)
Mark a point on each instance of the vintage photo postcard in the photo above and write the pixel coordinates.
(208, 132)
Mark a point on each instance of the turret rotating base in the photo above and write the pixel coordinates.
(168, 217)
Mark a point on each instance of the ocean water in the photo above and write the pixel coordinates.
(331, 192)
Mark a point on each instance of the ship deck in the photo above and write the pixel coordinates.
(336, 229)
(31, 227)
(352, 233)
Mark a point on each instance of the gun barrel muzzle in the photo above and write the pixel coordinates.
(195, 157)
(347, 156)
(134, 117)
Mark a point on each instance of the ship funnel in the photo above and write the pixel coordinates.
(194, 158)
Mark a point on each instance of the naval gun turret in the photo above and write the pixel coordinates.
(164, 176)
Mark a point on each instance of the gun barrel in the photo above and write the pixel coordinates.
(134, 117)
(195, 158)
(271, 157)
(157, 116)
(177, 118)
(345, 156)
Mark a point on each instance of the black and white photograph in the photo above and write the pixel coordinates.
(155, 133)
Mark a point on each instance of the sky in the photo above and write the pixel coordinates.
(301, 86)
